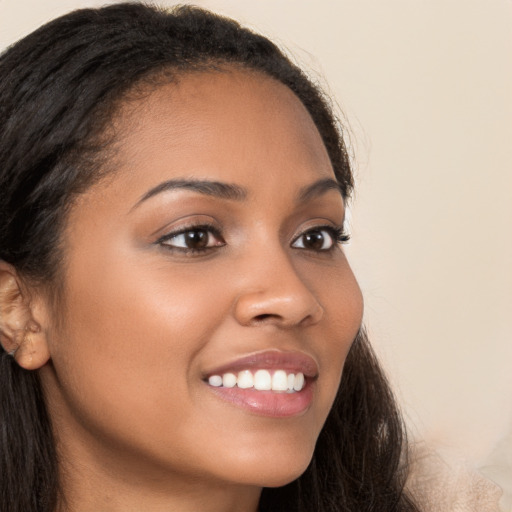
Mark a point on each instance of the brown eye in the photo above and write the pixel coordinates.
(197, 239)
(316, 240)
(193, 239)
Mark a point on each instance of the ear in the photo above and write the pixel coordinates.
(21, 335)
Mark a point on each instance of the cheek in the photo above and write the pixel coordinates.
(342, 301)
(129, 340)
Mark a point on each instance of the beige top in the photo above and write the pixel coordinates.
(441, 487)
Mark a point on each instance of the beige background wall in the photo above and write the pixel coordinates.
(426, 87)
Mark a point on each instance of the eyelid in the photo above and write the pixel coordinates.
(210, 228)
(337, 233)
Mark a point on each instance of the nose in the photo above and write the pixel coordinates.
(274, 293)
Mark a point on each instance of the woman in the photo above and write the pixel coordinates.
(176, 309)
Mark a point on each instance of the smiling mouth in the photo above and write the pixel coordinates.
(279, 381)
(272, 383)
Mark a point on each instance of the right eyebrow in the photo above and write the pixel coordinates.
(206, 187)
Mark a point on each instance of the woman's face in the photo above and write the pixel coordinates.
(210, 250)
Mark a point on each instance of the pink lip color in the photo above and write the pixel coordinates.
(270, 403)
(270, 360)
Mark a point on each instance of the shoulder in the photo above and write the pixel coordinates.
(441, 486)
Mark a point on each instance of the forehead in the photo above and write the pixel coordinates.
(235, 124)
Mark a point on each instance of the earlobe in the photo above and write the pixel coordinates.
(20, 334)
(32, 353)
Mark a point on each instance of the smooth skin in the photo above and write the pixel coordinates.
(160, 287)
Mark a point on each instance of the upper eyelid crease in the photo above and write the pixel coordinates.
(338, 233)
(192, 227)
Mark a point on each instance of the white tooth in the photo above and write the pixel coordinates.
(291, 381)
(279, 381)
(215, 380)
(229, 380)
(299, 382)
(262, 380)
(245, 379)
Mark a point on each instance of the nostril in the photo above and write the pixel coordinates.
(262, 318)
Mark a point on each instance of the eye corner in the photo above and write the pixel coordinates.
(343, 237)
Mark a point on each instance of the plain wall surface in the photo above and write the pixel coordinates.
(426, 88)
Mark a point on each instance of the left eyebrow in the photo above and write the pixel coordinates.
(206, 187)
(318, 188)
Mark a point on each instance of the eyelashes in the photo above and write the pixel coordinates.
(321, 238)
(204, 238)
(193, 239)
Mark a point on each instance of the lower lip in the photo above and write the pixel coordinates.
(268, 403)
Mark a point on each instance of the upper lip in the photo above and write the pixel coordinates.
(271, 359)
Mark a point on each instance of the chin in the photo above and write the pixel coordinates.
(279, 479)
(275, 471)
